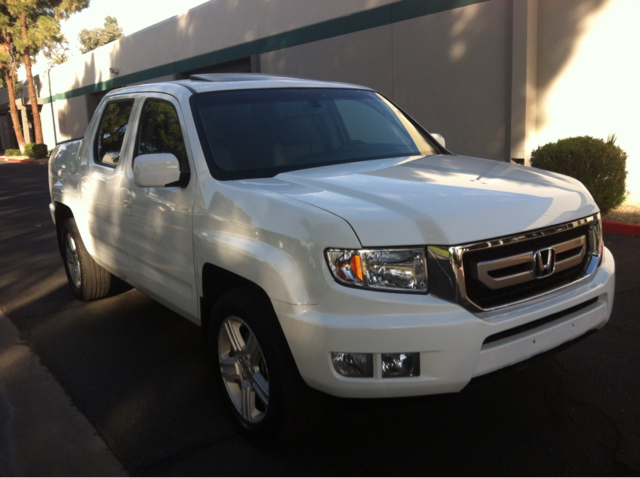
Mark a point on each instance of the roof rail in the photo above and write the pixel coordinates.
(224, 77)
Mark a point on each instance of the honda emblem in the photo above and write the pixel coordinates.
(544, 262)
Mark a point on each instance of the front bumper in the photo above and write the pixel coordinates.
(449, 339)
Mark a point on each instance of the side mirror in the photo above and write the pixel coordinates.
(156, 170)
(439, 139)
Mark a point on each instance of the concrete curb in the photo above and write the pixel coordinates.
(28, 161)
(621, 228)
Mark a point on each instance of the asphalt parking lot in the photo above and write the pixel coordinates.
(140, 400)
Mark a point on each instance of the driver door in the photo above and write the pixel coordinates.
(158, 220)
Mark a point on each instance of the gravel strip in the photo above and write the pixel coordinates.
(628, 211)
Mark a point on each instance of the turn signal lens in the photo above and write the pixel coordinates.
(346, 266)
(390, 269)
(356, 266)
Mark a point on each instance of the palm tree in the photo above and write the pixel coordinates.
(8, 67)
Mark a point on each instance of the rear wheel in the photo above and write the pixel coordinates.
(87, 280)
(255, 371)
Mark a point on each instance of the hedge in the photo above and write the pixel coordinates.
(599, 165)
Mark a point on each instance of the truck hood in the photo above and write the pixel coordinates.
(439, 200)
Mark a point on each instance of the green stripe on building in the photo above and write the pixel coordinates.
(355, 22)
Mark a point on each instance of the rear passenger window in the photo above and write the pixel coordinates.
(160, 132)
(112, 130)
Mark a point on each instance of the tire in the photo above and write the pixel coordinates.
(255, 371)
(87, 280)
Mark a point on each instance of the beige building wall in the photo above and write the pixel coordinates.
(496, 78)
(589, 74)
(71, 116)
(211, 26)
(277, 16)
(450, 71)
(364, 58)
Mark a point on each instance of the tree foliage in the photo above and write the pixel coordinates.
(96, 37)
(9, 62)
(34, 24)
(28, 26)
(56, 50)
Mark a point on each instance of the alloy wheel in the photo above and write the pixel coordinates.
(244, 370)
(73, 261)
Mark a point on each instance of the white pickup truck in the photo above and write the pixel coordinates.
(324, 241)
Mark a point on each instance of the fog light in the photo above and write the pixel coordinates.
(400, 365)
(353, 365)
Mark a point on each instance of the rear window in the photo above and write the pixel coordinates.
(261, 133)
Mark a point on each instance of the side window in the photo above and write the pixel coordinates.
(111, 133)
(160, 132)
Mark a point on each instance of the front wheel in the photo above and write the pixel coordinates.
(87, 280)
(255, 371)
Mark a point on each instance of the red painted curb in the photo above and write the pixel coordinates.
(621, 228)
(28, 161)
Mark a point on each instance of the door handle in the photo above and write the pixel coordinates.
(127, 200)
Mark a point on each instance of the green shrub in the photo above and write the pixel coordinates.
(41, 151)
(28, 150)
(599, 165)
(37, 150)
(12, 152)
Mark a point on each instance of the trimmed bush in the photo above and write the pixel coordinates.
(12, 152)
(599, 165)
(28, 150)
(36, 150)
(41, 151)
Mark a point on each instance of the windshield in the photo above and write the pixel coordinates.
(261, 133)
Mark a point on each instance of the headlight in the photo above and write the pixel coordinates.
(390, 269)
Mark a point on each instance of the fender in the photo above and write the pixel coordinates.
(273, 241)
(63, 172)
(64, 177)
(66, 170)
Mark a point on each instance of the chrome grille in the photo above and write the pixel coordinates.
(506, 271)
(502, 272)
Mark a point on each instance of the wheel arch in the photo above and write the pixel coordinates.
(216, 281)
(61, 214)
